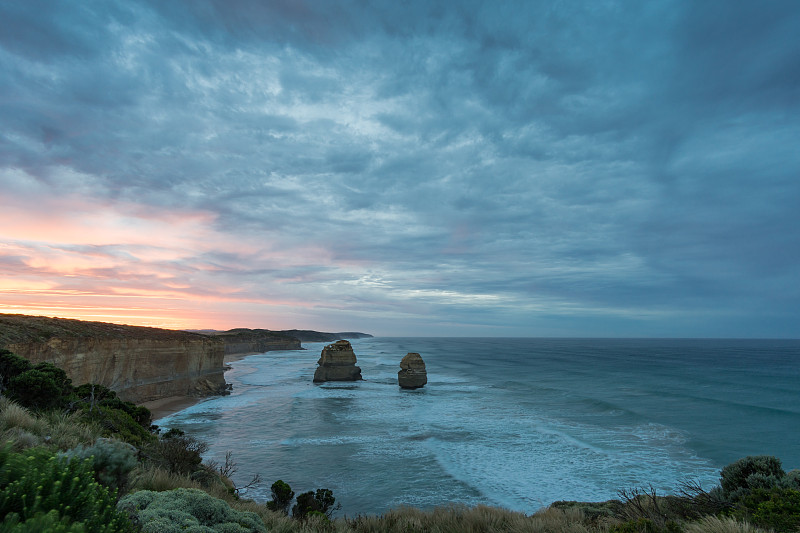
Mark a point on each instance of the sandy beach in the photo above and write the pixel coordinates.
(172, 404)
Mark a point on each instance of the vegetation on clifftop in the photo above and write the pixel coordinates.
(24, 328)
(81, 460)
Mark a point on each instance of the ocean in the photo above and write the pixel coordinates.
(516, 423)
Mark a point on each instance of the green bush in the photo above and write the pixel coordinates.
(321, 501)
(776, 508)
(93, 395)
(781, 512)
(36, 484)
(752, 472)
(119, 424)
(111, 460)
(282, 495)
(44, 386)
(187, 510)
(791, 480)
(50, 522)
(11, 366)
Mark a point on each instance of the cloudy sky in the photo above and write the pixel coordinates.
(533, 168)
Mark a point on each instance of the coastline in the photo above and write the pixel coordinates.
(164, 407)
(171, 404)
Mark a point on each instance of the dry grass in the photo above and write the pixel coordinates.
(150, 477)
(67, 430)
(158, 479)
(712, 524)
(13, 415)
(19, 439)
(22, 429)
(452, 519)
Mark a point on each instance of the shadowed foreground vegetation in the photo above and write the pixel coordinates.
(77, 459)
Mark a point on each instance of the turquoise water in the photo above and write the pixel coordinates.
(517, 423)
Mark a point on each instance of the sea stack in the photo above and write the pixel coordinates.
(337, 363)
(412, 373)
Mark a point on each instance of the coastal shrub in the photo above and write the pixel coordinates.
(282, 495)
(321, 501)
(644, 506)
(791, 480)
(187, 510)
(50, 522)
(751, 472)
(119, 424)
(177, 452)
(44, 386)
(11, 366)
(591, 510)
(93, 395)
(112, 460)
(775, 508)
(38, 483)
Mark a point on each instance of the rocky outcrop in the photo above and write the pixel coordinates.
(140, 364)
(413, 374)
(246, 341)
(337, 363)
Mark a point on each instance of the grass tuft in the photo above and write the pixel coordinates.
(55, 429)
(713, 524)
(13, 415)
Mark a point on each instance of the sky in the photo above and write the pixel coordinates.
(604, 168)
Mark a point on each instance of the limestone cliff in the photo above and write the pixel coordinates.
(140, 364)
(246, 341)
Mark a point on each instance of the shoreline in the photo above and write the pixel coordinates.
(169, 405)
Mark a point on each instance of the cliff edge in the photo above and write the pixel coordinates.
(139, 363)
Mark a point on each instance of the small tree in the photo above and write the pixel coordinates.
(321, 501)
(282, 495)
(177, 452)
(42, 387)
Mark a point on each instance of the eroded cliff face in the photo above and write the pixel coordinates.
(246, 341)
(140, 364)
(337, 363)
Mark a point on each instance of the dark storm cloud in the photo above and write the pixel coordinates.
(624, 167)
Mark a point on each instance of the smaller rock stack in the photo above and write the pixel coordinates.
(412, 374)
(337, 363)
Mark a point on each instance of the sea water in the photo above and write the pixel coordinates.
(517, 423)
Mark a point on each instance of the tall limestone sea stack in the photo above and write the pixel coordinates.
(413, 374)
(337, 363)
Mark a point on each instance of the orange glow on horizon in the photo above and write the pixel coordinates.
(121, 262)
